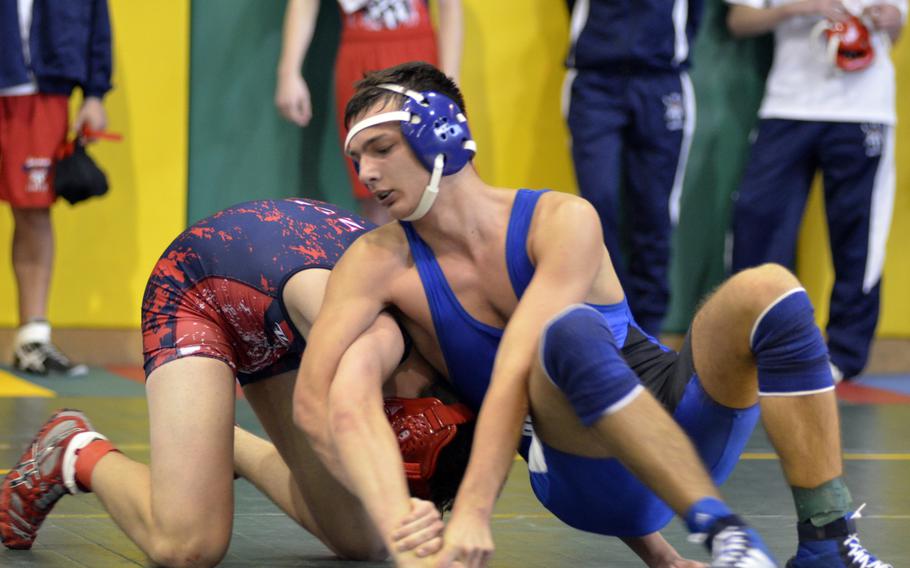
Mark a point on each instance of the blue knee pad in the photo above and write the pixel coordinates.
(580, 356)
(789, 350)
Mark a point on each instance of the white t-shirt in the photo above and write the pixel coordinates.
(25, 25)
(803, 85)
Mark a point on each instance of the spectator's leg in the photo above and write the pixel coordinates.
(772, 195)
(858, 165)
(657, 151)
(597, 118)
(33, 259)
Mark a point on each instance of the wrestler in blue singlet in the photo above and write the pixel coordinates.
(596, 495)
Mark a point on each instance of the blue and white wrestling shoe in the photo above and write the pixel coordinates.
(734, 544)
(835, 545)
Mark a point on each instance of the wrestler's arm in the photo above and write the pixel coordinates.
(567, 248)
(367, 448)
(355, 295)
(372, 358)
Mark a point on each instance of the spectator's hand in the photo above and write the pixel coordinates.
(420, 531)
(92, 115)
(292, 97)
(834, 10)
(885, 17)
(468, 542)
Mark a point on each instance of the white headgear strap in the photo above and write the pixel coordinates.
(430, 192)
(382, 118)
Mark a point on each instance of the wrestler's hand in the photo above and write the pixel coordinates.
(468, 540)
(420, 531)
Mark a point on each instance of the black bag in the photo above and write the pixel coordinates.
(77, 176)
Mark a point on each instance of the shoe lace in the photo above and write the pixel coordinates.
(27, 471)
(51, 352)
(45, 499)
(860, 557)
(857, 553)
(734, 543)
(731, 546)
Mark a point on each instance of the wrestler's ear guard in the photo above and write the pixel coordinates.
(423, 427)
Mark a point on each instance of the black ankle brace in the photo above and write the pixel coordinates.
(835, 529)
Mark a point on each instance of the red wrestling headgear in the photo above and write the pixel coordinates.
(423, 426)
(848, 44)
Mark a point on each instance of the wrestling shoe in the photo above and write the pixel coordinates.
(734, 544)
(835, 545)
(44, 474)
(42, 358)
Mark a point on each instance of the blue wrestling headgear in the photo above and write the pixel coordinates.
(437, 132)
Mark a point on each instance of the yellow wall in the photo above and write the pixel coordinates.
(106, 248)
(814, 266)
(512, 80)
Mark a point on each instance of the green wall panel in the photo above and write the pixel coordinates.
(240, 147)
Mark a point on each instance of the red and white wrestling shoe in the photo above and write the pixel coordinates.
(44, 474)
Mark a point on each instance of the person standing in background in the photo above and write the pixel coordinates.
(630, 108)
(48, 49)
(833, 114)
(375, 34)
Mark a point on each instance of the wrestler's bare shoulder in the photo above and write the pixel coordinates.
(566, 209)
(384, 245)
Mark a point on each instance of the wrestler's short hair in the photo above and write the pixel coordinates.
(415, 75)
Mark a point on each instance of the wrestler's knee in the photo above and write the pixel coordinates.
(579, 355)
(365, 550)
(198, 548)
(758, 287)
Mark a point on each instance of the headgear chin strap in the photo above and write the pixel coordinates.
(423, 426)
(437, 132)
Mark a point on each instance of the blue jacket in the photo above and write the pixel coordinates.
(69, 44)
(633, 35)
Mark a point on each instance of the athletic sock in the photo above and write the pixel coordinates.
(35, 331)
(704, 513)
(80, 458)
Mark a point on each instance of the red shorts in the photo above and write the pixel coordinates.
(32, 129)
(357, 55)
(218, 318)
